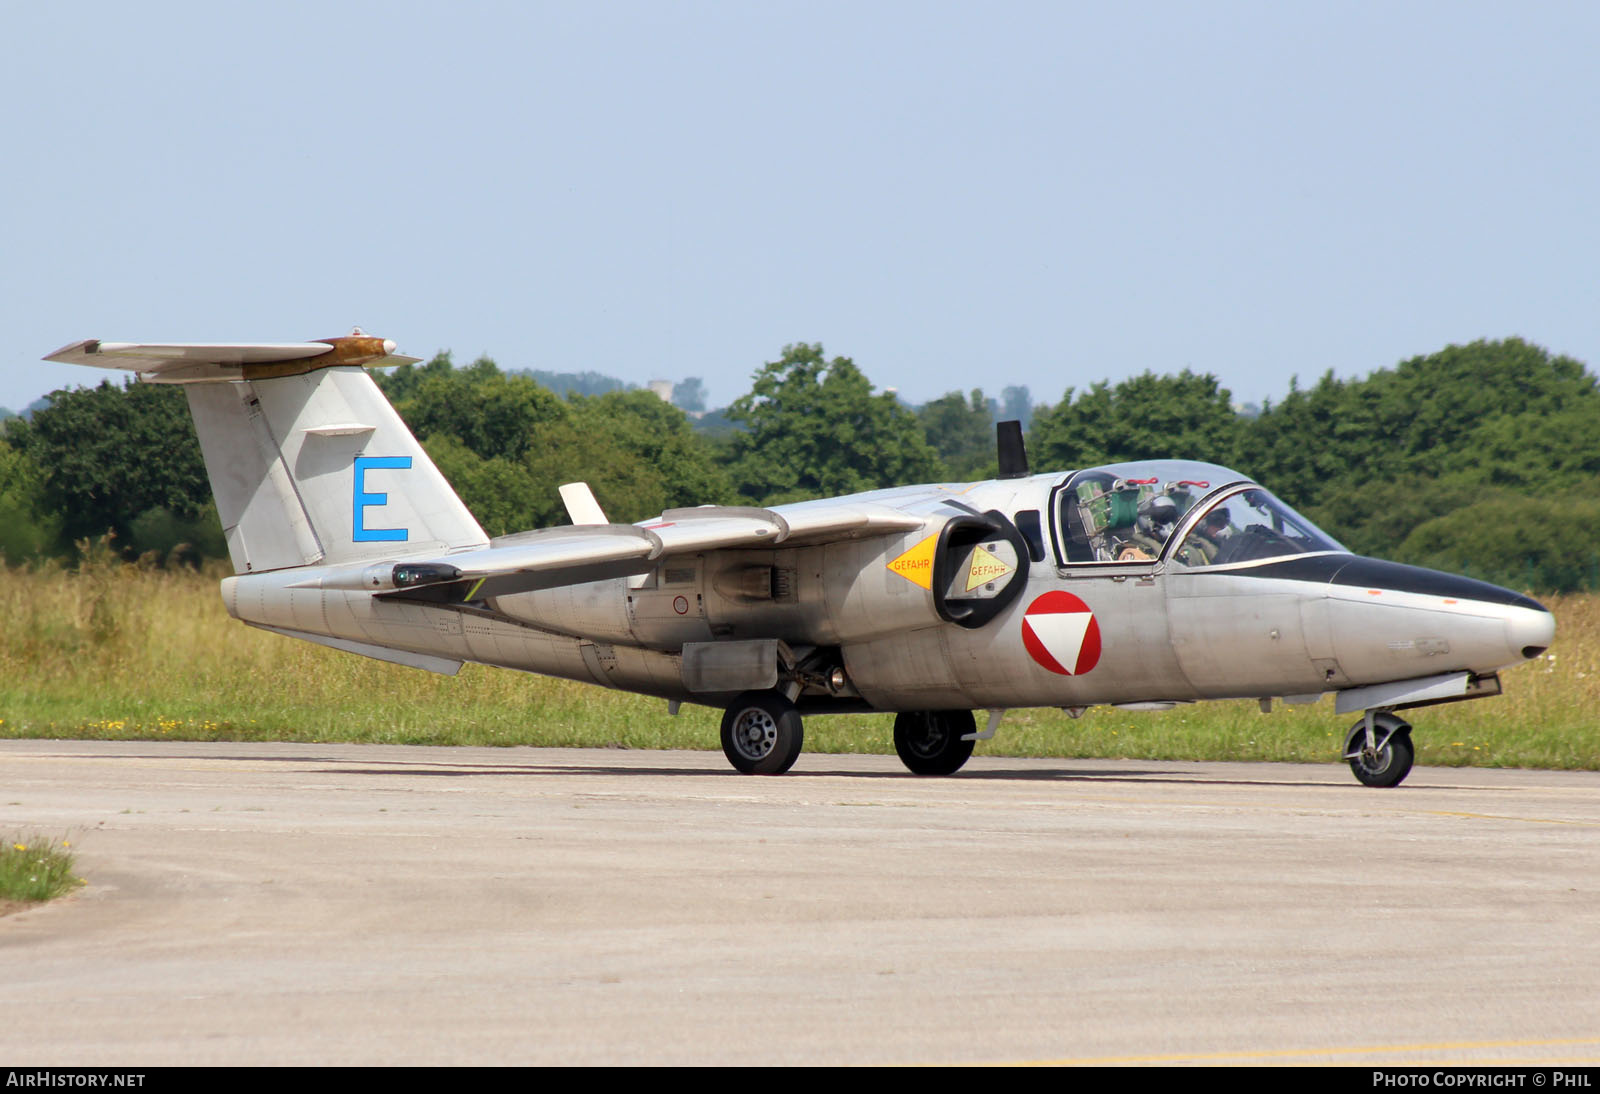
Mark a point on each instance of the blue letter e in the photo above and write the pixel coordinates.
(359, 532)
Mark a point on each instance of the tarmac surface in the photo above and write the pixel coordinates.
(352, 904)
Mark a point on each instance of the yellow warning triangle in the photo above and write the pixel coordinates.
(916, 565)
(984, 568)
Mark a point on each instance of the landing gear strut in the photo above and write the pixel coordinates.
(1387, 758)
(762, 733)
(934, 742)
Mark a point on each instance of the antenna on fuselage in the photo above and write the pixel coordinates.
(1013, 455)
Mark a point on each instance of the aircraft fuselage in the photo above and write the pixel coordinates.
(1069, 635)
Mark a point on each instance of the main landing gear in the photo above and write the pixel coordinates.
(934, 742)
(762, 734)
(1384, 757)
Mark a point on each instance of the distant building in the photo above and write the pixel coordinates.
(662, 389)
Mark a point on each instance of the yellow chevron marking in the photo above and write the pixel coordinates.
(916, 565)
(984, 568)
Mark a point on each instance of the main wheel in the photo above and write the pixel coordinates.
(762, 733)
(1390, 762)
(930, 742)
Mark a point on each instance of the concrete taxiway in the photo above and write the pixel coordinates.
(366, 905)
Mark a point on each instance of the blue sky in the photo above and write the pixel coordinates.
(1039, 194)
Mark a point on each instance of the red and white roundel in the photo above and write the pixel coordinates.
(1059, 631)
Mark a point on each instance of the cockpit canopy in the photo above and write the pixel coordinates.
(1193, 514)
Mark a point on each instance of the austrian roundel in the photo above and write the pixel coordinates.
(1059, 631)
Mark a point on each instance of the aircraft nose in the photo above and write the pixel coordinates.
(1531, 630)
(1466, 623)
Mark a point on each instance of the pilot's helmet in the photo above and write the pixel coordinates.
(1160, 508)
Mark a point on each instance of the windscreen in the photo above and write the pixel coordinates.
(1248, 525)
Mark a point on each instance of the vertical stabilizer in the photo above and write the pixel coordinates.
(318, 467)
(262, 516)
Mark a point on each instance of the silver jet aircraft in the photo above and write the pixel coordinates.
(1140, 585)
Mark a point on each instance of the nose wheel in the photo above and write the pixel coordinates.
(1386, 759)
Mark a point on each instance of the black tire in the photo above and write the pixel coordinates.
(762, 733)
(1392, 762)
(930, 741)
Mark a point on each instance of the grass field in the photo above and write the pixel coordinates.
(118, 652)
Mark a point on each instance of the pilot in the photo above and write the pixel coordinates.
(1205, 542)
(1157, 516)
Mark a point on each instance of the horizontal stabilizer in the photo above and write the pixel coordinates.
(202, 362)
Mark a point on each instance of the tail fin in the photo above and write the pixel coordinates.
(319, 468)
(308, 461)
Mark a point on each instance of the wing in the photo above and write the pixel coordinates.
(575, 554)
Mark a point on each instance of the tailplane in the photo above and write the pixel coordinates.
(308, 461)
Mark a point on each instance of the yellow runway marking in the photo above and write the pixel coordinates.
(1505, 816)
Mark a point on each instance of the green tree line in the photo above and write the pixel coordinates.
(1480, 459)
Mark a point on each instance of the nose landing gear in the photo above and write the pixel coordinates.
(1383, 757)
